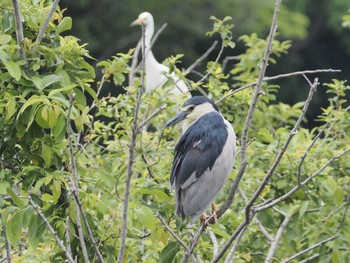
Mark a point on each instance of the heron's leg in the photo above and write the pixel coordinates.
(214, 209)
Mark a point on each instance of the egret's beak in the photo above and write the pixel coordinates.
(137, 22)
(176, 119)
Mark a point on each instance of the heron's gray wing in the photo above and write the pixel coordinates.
(198, 149)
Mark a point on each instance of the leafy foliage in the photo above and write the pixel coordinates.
(36, 103)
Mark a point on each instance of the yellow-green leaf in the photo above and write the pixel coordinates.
(13, 69)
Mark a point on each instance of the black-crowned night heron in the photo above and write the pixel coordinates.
(155, 71)
(204, 156)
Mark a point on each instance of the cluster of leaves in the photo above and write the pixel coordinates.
(36, 104)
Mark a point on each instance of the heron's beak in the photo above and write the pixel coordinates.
(177, 118)
(137, 22)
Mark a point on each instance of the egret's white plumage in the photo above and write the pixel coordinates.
(155, 71)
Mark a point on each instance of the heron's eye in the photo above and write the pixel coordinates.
(191, 108)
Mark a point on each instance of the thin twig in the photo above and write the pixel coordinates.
(46, 22)
(297, 187)
(231, 254)
(74, 180)
(67, 235)
(249, 85)
(308, 150)
(310, 258)
(311, 248)
(227, 59)
(215, 243)
(154, 114)
(19, 29)
(201, 58)
(132, 155)
(7, 245)
(177, 238)
(276, 240)
(59, 242)
(260, 225)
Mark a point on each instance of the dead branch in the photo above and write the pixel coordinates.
(311, 248)
(201, 58)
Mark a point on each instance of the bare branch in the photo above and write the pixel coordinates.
(247, 125)
(215, 243)
(260, 225)
(67, 235)
(276, 240)
(201, 58)
(279, 156)
(154, 114)
(74, 180)
(59, 242)
(311, 248)
(19, 29)
(177, 238)
(308, 150)
(132, 155)
(79, 209)
(46, 22)
(231, 254)
(296, 188)
(310, 258)
(249, 85)
(7, 245)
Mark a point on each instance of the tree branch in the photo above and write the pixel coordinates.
(19, 29)
(249, 85)
(46, 22)
(231, 254)
(59, 242)
(7, 245)
(276, 240)
(297, 187)
(132, 155)
(201, 58)
(177, 238)
(311, 248)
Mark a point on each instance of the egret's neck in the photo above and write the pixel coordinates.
(149, 31)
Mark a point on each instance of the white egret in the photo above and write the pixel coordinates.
(156, 73)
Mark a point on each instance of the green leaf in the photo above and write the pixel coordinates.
(56, 190)
(66, 24)
(3, 187)
(146, 217)
(4, 39)
(11, 108)
(169, 252)
(66, 88)
(13, 69)
(59, 130)
(220, 230)
(32, 100)
(42, 83)
(46, 153)
(14, 227)
(15, 198)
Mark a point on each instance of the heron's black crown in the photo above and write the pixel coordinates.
(198, 100)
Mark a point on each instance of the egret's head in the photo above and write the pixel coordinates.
(191, 110)
(144, 18)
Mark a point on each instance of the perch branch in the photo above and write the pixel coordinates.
(311, 248)
(51, 230)
(46, 22)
